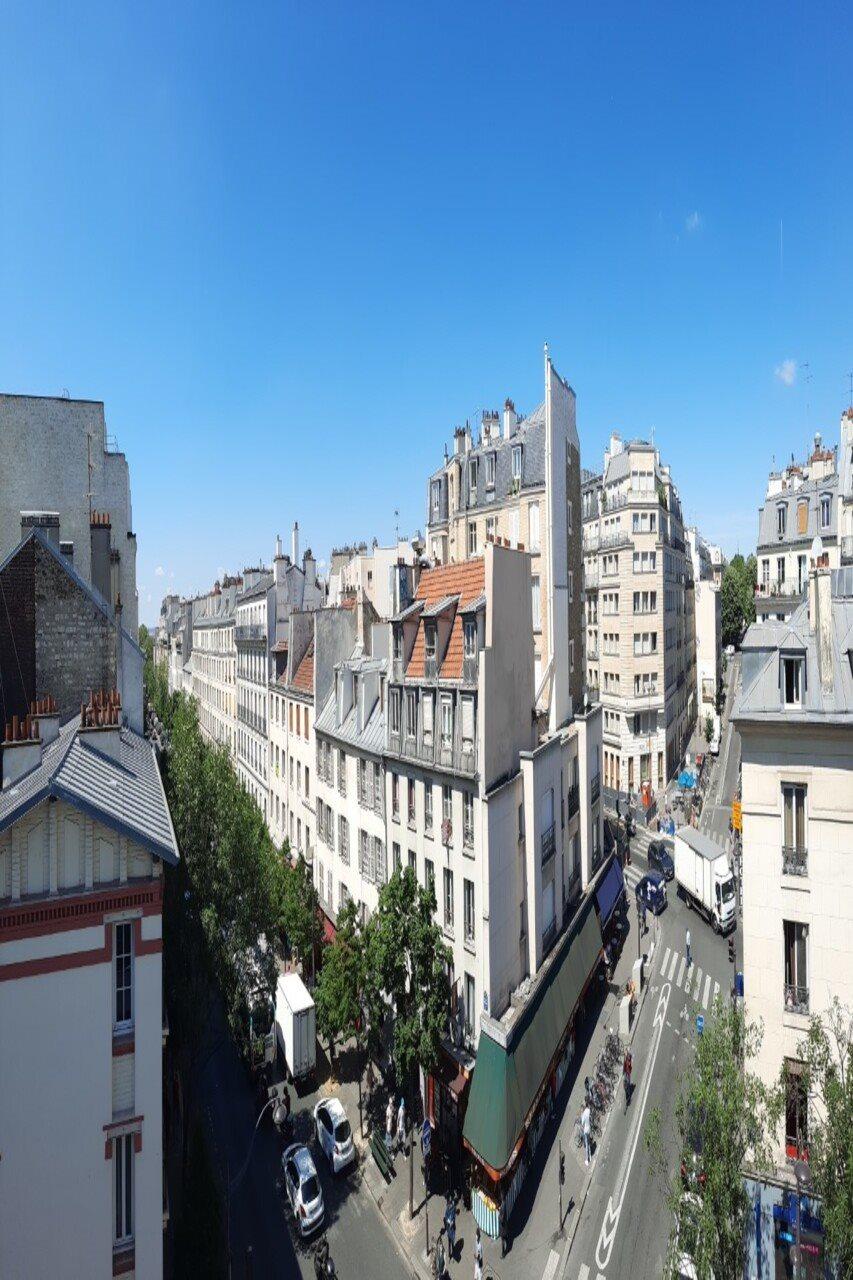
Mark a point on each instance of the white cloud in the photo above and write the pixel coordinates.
(159, 572)
(148, 598)
(786, 372)
(693, 222)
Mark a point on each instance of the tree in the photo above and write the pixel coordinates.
(709, 728)
(300, 914)
(406, 964)
(727, 1114)
(737, 598)
(340, 985)
(827, 1082)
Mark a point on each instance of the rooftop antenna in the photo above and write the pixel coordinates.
(396, 525)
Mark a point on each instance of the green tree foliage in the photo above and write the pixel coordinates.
(726, 1113)
(340, 986)
(300, 913)
(406, 963)
(709, 728)
(827, 1057)
(737, 598)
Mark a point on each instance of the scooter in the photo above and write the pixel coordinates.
(324, 1267)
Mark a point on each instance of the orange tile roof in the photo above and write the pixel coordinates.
(465, 580)
(304, 678)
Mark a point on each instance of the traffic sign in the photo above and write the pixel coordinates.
(700, 1023)
(426, 1137)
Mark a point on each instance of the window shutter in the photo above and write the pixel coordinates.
(468, 719)
(427, 712)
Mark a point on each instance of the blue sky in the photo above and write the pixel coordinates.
(291, 245)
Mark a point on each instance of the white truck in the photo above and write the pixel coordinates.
(296, 1025)
(703, 873)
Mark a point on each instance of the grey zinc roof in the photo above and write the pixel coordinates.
(125, 794)
(371, 739)
(811, 490)
(530, 434)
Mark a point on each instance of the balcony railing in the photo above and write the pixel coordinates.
(250, 631)
(548, 844)
(460, 757)
(590, 577)
(573, 800)
(796, 998)
(795, 861)
(786, 590)
(619, 538)
(595, 788)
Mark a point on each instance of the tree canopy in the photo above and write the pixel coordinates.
(737, 598)
(340, 985)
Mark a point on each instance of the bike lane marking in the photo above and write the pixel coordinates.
(610, 1223)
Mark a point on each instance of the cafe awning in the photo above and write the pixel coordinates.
(609, 892)
(508, 1079)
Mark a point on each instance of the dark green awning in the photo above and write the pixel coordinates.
(506, 1081)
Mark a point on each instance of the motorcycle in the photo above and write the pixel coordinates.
(324, 1266)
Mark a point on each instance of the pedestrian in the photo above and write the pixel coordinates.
(643, 916)
(585, 1130)
(689, 956)
(627, 1068)
(502, 1227)
(450, 1226)
(587, 1090)
(401, 1124)
(389, 1123)
(440, 1264)
(478, 1256)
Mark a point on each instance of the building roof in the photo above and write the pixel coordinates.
(810, 491)
(464, 580)
(530, 435)
(303, 678)
(125, 794)
(371, 738)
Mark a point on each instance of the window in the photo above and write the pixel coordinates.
(395, 796)
(533, 525)
(472, 476)
(398, 643)
(429, 874)
(468, 819)
(364, 855)
(470, 1009)
(468, 895)
(448, 897)
(124, 974)
(396, 857)
(427, 708)
(447, 803)
(378, 862)
(792, 681)
(472, 538)
(411, 713)
(645, 561)
(491, 528)
(123, 1187)
(411, 805)
(428, 806)
(796, 1109)
(794, 844)
(467, 723)
(825, 510)
(491, 466)
(470, 634)
(535, 603)
(796, 937)
(780, 570)
(516, 462)
(781, 520)
(436, 499)
(765, 574)
(343, 839)
(394, 710)
(446, 723)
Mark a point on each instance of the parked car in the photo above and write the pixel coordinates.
(303, 1188)
(660, 859)
(334, 1133)
(652, 891)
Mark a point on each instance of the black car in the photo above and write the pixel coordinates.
(651, 891)
(660, 859)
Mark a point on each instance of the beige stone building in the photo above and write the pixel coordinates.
(795, 718)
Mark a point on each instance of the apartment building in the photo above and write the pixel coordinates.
(795, 718)
(520, 482)
(708, 619)
(376, 574)
(639, 616)
(802, 502)
(214, 664)
(62, 467)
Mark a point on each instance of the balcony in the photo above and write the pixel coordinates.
(613, 501)
(595, 788)
(548, 844)
(251, 632)
(795, 861)
(619, 538)
(456, 757)
(592, 655)
(573, 800)
(590, 543)
(590, 577)
(780, 590)
(796, 998)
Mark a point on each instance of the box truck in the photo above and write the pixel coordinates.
(703, 873)
(296, 1025)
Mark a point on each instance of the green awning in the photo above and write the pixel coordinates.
(506, 1081)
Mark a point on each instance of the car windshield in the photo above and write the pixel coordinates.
(310, 1189)
(728, 889)
(342, 1131)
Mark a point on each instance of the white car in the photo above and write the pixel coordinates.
(334, 1133)
(303, 1188)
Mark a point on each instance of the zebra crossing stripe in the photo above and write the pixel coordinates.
(696, 987)
(665, 961)
(716, 989)
(672, 966)
(681, 969)
(706, 992)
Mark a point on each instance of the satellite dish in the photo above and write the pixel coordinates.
(817, 547)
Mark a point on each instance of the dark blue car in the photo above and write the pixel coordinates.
(651, 890)
(660, 859)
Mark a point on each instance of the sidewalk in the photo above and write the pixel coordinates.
(533, 1225)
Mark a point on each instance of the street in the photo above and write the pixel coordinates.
(716, 812)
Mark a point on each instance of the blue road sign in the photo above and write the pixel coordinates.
(426, 1137)
(700, 1023)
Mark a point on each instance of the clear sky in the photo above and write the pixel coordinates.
(291, 245)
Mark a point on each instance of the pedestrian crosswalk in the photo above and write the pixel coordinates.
(691, 979)
(633, 876)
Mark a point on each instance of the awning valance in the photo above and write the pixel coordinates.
(609, 892)
(508, 1079)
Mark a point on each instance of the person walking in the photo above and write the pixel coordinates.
(643, 916)
(389, 1123)
(627, 1068)
(586, 1128)
(438, 1258)
(450, 1226)
(503, 1230)
(478, 1256)
(689, 956)
(401, 1124)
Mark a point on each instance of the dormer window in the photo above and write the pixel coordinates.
(781, 520)
(398, 644)
(411, 713)
(491, 467)
(436, 498)
(516, 462)
(429, 642)
(825, 510)
(470, 638)
(793, 681)
(472, 475)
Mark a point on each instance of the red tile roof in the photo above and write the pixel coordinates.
(465, 580)
(304, 678)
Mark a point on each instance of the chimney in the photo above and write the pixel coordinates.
(67, 549)
(22, 749)
(277, 547)
(100, 722)
(119, 648)
(459, 445)
(47, 521)
(820, 616)
(309, 568)
(100, 532)
(510, 419)
(294, 543)
(44, 714)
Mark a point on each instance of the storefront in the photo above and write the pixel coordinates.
(773, 1240)
(520, 1070)
(609, 895)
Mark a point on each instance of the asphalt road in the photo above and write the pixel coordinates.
(717, 809)
(625, 1224)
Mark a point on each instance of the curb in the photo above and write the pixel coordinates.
(409, 1260)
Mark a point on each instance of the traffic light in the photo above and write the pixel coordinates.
(562, 1169)
(731, 950)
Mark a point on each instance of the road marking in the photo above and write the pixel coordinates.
(716, 989)
(680, 977)
(707, 990)
(610, 1223)
(584, 1272)
(696, 985)
(666, 957)
(551, 1265)
(672, 966)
